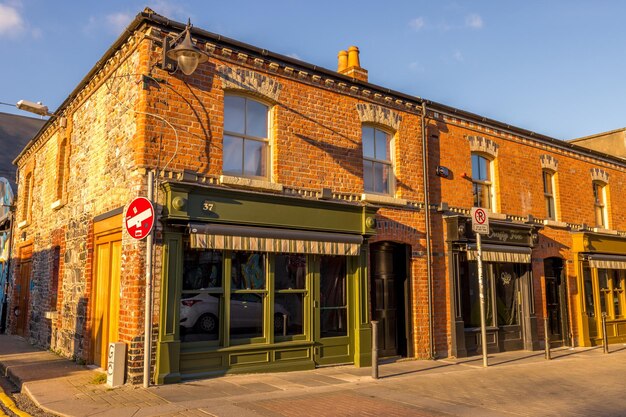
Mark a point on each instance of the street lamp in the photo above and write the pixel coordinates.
(187, 55)
(40, 109)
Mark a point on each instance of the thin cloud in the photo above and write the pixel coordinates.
(11, 22)
(416, 67)
(458, 56)
(474, 21)
(170, 9)
(417, 23)
(116, 22)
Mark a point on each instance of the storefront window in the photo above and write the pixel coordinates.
(247, 283)
(611, 283)
(333, 297)
(202, 294)
(507, 288)
(588, 287)
(470, 294)
(290, 286)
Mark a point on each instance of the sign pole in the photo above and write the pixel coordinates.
(481, 289)
(147, 358)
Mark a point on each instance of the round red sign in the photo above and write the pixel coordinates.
(139, 218)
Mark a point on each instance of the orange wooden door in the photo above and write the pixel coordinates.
(106, 294)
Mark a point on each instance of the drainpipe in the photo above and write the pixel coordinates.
(428, 244)
(147, 354)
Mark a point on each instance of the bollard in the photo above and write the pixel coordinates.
(374, 349)
(605, 339)
(546, 337)
(284, 325)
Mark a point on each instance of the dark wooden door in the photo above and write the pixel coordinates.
(22, 291)
(388, 297)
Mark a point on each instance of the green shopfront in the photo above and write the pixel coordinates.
(256, 282)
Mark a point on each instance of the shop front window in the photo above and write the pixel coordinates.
(248, 293)
(202, 296)
(470, 295)
(333, 297)
(290, 292)
(507, 289)
(588, 288)
(611, 284)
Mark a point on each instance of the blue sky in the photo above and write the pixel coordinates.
(553, 67)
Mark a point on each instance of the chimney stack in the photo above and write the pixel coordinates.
(349, 64)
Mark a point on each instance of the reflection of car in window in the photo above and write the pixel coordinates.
(201, 312)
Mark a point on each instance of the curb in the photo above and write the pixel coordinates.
(8, 403)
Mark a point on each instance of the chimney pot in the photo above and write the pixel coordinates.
(342, 61)
(353, 57)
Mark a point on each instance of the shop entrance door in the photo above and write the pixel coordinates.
(22, 290)
(555, 301)
(106, 289)
(331, 319)
(508, 299)
(388, 289)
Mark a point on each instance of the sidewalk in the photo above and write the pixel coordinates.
(411, 387)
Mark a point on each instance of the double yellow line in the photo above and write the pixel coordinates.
(8, 403)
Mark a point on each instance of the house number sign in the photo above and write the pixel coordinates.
(207, 205)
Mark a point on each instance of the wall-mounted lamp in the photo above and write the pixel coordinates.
(186, 54)
(40, 109)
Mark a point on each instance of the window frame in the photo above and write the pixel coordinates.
(243, 136)
(548, 176)
(388, 163)
(488, 182)
(600, 204)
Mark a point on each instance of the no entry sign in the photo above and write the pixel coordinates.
(139, 218)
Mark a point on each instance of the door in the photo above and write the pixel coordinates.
(555, 301)
(389, 282)
(332, 328)
(106, 293)
(22, 291)
(508, 308)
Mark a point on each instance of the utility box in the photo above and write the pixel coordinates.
(116, 365)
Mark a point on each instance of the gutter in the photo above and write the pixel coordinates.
(429, 273)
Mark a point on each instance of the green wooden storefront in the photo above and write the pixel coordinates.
(256, 282)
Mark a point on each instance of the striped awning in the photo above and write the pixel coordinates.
(500, 253)
(607, 261)
(265, 239)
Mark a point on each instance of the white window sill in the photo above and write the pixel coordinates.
(555, 223)
(22, 224)
(383, 199)
(250, 183)
(605, 231)
(497, 216)
(57, 205)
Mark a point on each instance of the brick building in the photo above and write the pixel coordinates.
(291, 211)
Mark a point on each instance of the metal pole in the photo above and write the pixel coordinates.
(481, 289)
(374, 349)
(546, 337)
(147, 358)
(605, 339)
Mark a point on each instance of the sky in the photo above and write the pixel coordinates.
(553, 67)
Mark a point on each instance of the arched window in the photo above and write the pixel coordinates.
(62, 167)
(599, 196)
(246, 141)
(549, 194)
(377, 161)
(482, 182)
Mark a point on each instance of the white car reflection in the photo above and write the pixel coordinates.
(201, 312)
